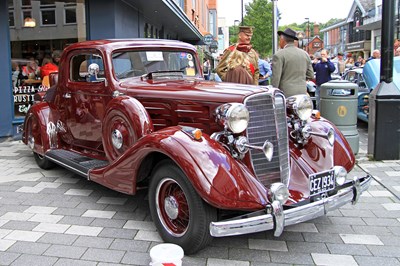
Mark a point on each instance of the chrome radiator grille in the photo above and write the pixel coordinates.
(268, 122)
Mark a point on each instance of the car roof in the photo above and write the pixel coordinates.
(114, 44)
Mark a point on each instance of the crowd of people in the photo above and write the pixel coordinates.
(290, 67)
(33, 70)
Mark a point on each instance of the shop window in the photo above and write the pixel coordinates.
(26, 3)
(48, 12)
(70, 15)
(11, 21)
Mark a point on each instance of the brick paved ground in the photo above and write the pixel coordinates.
(57, 218)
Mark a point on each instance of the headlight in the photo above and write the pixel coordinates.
(331, 136)
(300, 105)
(340, 174)
(279, 192)
(233, 116)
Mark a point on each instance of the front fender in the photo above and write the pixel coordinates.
(317, 156)
(218, 178)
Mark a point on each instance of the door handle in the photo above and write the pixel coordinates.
(67, 95)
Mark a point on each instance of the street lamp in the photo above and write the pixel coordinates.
(300, 37)
(242, 10)
(308, 33)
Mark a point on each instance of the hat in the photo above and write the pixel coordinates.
(288, 33)
(340, 53)
(246, 29)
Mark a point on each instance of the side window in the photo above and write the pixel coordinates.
(80, 64)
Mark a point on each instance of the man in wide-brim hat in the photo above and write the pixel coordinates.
(291, 66)
(239, 62)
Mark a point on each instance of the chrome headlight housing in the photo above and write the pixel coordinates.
(233, 116)
(300, 105)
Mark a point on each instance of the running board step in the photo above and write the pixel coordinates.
(75, 162)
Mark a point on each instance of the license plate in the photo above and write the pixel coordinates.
(322, 182)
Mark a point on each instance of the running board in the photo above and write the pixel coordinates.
(75, 162)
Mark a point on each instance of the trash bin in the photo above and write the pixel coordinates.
(339, 105)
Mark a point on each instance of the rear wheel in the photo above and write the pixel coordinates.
(34, 141)
(178, 212)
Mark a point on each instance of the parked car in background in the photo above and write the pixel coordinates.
(217, 159)
(367, 78)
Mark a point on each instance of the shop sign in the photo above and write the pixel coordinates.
(354, 46)
(207, 39)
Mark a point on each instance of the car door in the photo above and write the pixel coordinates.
(84, 100)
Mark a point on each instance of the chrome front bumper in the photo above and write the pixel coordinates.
(278, 218)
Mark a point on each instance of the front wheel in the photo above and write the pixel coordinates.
(180, 215)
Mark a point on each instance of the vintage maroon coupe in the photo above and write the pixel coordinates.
(218, 159)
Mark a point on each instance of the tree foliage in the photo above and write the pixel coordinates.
(258, 15)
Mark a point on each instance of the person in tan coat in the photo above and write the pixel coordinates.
(239, 62)
(291, 66)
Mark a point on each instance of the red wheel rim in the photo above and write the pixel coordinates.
(172, 207)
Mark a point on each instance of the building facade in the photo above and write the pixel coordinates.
(35, 31)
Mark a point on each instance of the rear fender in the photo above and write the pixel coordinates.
(218, 178)
(40, 122)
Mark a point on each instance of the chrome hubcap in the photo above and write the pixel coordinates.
(117, 139)
(171, 207)
(31, 142)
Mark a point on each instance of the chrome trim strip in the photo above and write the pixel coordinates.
(68, 167)
(296, 215)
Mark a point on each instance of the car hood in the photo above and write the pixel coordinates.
(191, 89)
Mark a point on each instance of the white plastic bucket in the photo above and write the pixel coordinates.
(166, 254)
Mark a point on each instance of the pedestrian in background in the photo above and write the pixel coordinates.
(206, 69)
(265, 72)
(376, 54)
(323, 68)
(341, 64)
(239, 63)
(291, 66)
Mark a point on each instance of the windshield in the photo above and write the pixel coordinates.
(137, 63)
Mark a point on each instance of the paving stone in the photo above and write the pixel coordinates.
(63, 251)
(130, 245)
(51, 228)
(39, 260)
(20, 225)
(6, 258)
(249, 255)
(112, 200)
(99, 214)
(84, 230)
(148, 236)
(357, 213)
(78, 192)
(4, 232)
(234, 242)
(69, 262)
(392, 206)
(267, 245)
(304, 247)
(71, 220)
(140, 225)
(21, 235)
(334, 228)
(138, 258)
(334, 260)
(361, 239)
(375, 230)
(381, 221)
(292, 258)
(48, 218)
(380, 193)
(112, 223)
(29, 248)
(93, 242)
(221, 262)
(376, 261)
(302, 227)
(6, 244)
(347, 249)
(60, 239)
(16, 216)
(347, 220)
(40, 210)
(103, 255)
(69, 212)
(91, 206)
(385, 251)
(29, 189)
